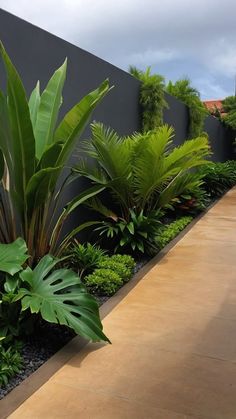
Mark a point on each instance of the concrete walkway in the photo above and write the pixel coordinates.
(174, 340)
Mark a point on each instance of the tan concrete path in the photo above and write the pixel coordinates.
(174, 340)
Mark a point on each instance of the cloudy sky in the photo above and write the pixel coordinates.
(194, 38)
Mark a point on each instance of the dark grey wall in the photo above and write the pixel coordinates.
(36, 54)
(177, 116)
(221, 139)
(220, 136)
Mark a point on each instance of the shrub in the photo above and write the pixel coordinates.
(126, 260)
(183, 91)
(170, 231)
(103, 281)
(152, 97)
(10, 364)
(85, 257)
(218, 177)
(118, 267)
(192, 201)
(137, 234)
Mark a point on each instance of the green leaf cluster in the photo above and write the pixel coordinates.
(229, 105)
(103, 281)
(183, 91)
(84, 257)
(57, 295)
(34, 150)
(10, 363)
(218, 177)
(126, 260)
(169, 232)
(142, 173)
(152, 97)
(111, 274)
(120, 268)
(137, 234)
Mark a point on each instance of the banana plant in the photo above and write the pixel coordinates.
(34, 151)
(56, 294)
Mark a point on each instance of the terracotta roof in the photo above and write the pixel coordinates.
(212, 104)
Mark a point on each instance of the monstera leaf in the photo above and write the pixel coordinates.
(60, 297)
(12, 256)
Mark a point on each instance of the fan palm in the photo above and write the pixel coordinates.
(143, 171)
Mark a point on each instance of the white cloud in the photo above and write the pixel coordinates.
(201, 34)
(152, 56)
(210, 88)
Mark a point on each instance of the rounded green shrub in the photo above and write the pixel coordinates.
(103, 281)
(126, 260)
(120, 268)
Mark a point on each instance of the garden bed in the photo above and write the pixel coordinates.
(48, 339)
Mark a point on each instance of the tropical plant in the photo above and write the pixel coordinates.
(56, 294)
(218, 177)
(183, 91)
(192, 201)
(169, 232)
(137, 234)
(118, 267)
(229, 104)
(34, 150)
(10, 363)
(143, 173)
(152, 97)
(103, 281)
(85, 257)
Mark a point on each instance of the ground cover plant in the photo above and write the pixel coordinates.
(170, 231)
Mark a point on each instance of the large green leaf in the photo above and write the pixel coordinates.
(48, 109)
(5, 134)
(12, 256)
(61, 298)
(76, 119)
(23, 143)
(2, 165)
(71, 206)
(50, 156)
(40, 186)
(34, 102)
